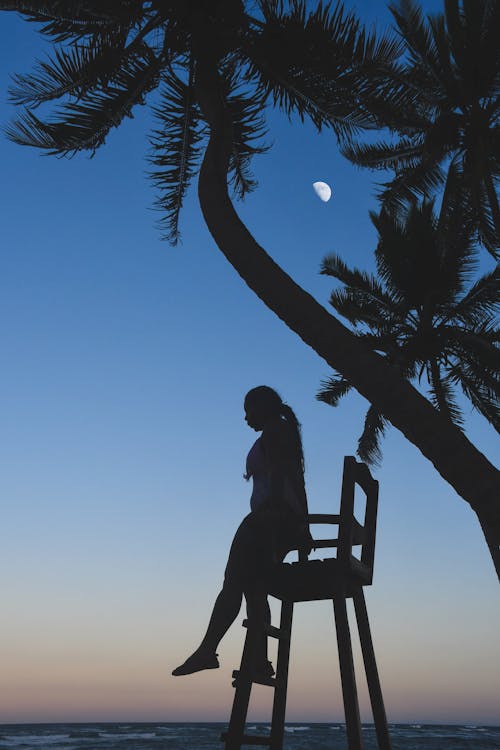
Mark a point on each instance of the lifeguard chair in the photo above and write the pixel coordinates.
(337, 578)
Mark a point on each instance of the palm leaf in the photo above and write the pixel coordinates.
(400, 102)
(455, 26)
(359, 307)
(410, 184)
(333, 389)
(248, 126)
(369, 443)
(64, 19)
(308, 62)
(418, 37)
(405, 153)
(479, 349)
(456, 220)
(72, 71)
(333, 265)
(445, 67)
(409, 257)
(484, 399)
(442, 395)
(364, 299)
(487, 210)
(481, 301)
(486, 52)
(84, 124)
(175, 149)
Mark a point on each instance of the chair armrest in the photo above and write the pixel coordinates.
(323, 518)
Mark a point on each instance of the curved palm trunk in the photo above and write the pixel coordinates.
(454, 457)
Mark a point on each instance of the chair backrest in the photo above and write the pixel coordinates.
(351, 532)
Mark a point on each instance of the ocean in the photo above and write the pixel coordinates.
(207, 736)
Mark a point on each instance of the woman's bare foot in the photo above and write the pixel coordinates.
(198, 661)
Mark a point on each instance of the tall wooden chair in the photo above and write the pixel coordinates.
(337, 578)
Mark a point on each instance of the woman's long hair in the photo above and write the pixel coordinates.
(271, 403)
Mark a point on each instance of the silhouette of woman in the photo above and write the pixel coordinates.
(276, 524)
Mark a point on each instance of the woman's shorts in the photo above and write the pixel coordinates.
(261, 540)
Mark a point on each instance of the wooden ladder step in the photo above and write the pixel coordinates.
(269, 681)
(250, 739)
(269, 630)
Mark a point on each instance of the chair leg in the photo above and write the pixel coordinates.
(349, 692)
(236, 728)
(280, 691)
(371, 670)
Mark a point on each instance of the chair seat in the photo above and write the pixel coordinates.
(314, 580)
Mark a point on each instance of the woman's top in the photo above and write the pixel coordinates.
(277, 475)
(258, 470)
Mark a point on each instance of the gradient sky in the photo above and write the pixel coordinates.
(124, 366)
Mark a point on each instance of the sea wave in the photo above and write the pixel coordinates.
(206, 736)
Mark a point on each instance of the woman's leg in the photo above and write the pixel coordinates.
(225, 611)
(258, 611)
(228, 602)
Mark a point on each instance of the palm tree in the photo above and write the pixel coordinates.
(418, 312)
(314, 63)
(442, 107)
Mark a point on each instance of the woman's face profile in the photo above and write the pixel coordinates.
(253, 415)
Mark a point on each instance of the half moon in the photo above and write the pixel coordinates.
(322, 190)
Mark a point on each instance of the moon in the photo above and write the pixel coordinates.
(322, 190)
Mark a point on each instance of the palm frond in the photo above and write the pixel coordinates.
(333, 389)
(308, 63)
(369, 449)
(486, 47)
(418, 37)
(484, 399)
(246, 113)
(84, 124)
(456, 221)
(175, 149)
(359, 307)
(333, 265)
(488, 210)
(408, 255)
(364, 299)
(456, 31)
(399, 102)
(420, 181)
(64, 19)
(403, 154)
(71, 71)
(441, 394)
(479, 349)
(481, 301)
(445, 67)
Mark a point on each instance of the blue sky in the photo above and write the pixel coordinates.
(125, 364)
